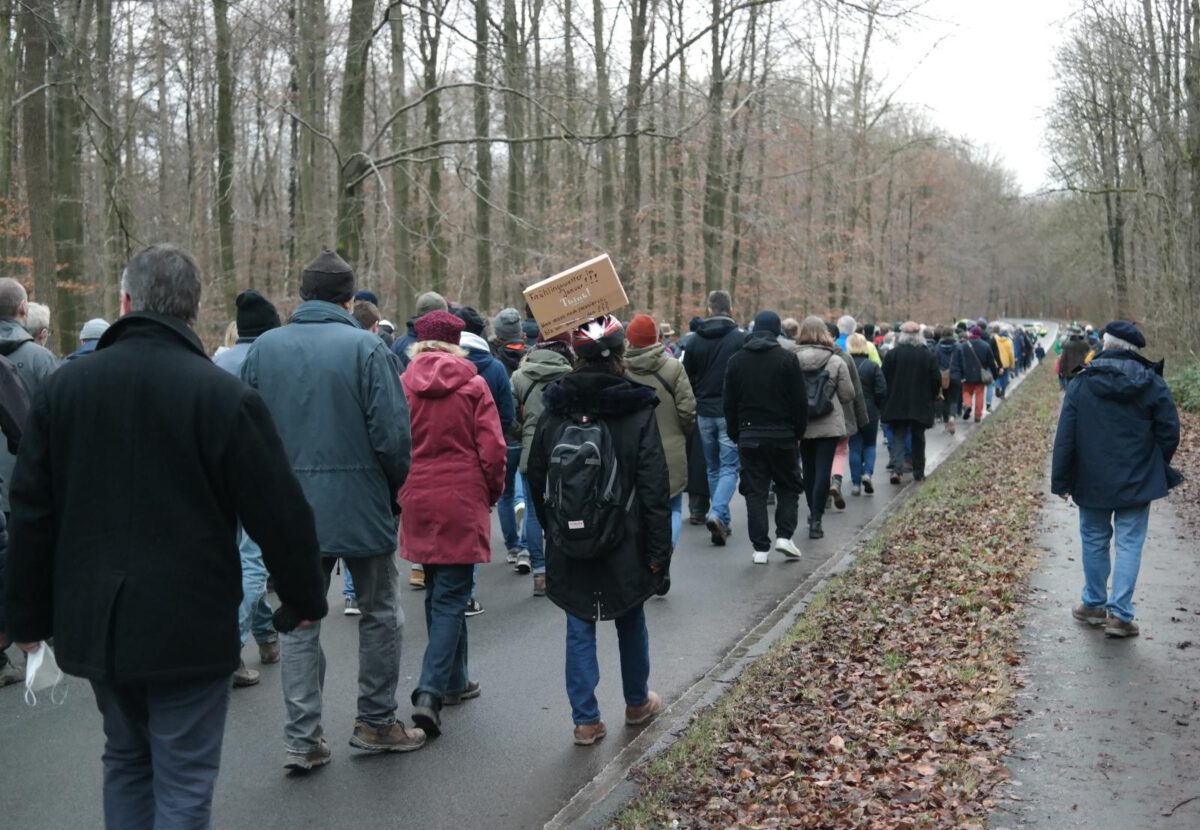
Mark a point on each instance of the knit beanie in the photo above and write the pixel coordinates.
(530, 329)
(366, 296)
(976, 332)
(472, 319)
(642, 331)
(328, 277)
(768, 321)
(255, 314)
(430, 301)
(507, 324)
(438, 325)
(93, 330)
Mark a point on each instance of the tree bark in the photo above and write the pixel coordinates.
(227, 276)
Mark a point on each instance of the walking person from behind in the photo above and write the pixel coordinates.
(601, 487)
(1117, 433)
(336, 399)
(914, 382)
(864, 443)
(458, 447)
(766, 410)
(139, 581)
(717, 339)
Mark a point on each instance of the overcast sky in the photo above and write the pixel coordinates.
(989, 77)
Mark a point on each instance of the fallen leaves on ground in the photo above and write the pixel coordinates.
(1186, 497)
(888, 704)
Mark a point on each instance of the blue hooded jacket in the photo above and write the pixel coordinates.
(492, 371)
(1116, 434)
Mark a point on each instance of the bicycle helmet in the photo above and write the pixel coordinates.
(598, 338)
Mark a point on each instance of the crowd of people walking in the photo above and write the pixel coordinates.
(333, 442)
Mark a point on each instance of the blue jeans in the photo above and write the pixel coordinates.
(347, 582)
(862, 452)
(444, 667)
(676, 519)
(991, 388)
(162, 751)
(1002, 382)
(583, 669)
(1096, 531)
(888, 435)
(721, 458)
(505, 507)
(534, 537)
(254, 615)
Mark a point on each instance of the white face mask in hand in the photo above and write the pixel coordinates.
(42, 672)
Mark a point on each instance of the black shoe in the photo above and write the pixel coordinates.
(470, 693)
(697, 519)
(425, 714)
(868, 487)
(966, 416)
(815, 531)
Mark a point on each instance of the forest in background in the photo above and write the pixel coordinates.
(476, 147)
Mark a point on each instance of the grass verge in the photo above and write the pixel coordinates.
(888, 703)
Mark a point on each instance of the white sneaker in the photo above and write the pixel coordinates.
(787, 547)
(760, 557)
(519, 512)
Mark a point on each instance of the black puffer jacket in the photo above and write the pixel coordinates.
(766, 402)
(609, 587)
(716, 341)
(874, 387)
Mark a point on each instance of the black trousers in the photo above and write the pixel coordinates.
(762, 466)
(951, 403)
(817, 455)
(900, 430)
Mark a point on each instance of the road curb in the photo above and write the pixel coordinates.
(602, 798)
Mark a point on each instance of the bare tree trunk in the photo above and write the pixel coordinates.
(401, 173)
(608, 218)
(227, 277)
(35, 149)
(483, 161)
(714, 180)
(352, 162)
(429, 43)
(516, 76)
(631, 195)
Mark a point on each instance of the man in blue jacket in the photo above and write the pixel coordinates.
(1116, 435)
(337, 402)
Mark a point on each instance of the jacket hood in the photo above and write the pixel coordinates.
(545, 365)
(12, 335)
(947, 345)
(761, 342)
(813, 357)
(319, 311)
(599, 394)
(714, 328)
(473, 342)
(1118, 376)
(646, 359)
(437, 374)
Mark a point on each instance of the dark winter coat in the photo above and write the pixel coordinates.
(403, 342)
(457, 448)
(766, 401)
(716, 341)
(615, 584)
(854, 411)
(964, 369)
(124, 524)
(874, 386)
(336, 399)
(1117, 432)
(1074, 354)
(913, 381)
(495, 375)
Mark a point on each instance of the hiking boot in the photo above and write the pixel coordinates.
(1117, 627)
(416, 578)
(717, 529)
(950, 425)
(835, 493)
(856, 490)
(519, 512)
(268, 653)
(760, 557)
(588, 733)
(895, 478)
(474, 609)
(815, 531)
(1090, 614)
(351, 609)
(244, 677)
(511, 557)
(787, 547)
(637, 715)
(523, 564)
(696, 519)
(868, 486)
(10, 674)
(539, 585)
(395, 737)
(425, 714)
(470, 693)
(318, 756)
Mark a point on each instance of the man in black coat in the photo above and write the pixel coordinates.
(139, 581)
(717, 340)
(914, 382)
(766, 412)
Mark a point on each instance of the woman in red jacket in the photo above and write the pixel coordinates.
(458, 448)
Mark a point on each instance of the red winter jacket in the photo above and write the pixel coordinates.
(458, 456)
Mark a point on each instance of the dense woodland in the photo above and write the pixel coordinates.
(475, 147)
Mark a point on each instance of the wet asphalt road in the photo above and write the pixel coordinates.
(505, 760)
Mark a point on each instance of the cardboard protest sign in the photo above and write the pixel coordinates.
(562, 302)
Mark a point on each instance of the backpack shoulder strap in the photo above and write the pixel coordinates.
(670, 387)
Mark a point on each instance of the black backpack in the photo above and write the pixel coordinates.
(585, 504)
(821, 388)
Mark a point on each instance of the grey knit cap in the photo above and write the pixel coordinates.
(431, 301)
(507, 324)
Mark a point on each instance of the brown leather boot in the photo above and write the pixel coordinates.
(637, 715)
(588, 733)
